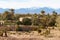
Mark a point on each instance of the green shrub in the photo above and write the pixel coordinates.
(19, 23)
(19, 29)
(26, 21)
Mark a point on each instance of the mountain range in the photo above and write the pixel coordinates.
(31, 10)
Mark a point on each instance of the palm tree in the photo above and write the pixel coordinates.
(34, 17)
(32, 20)
(12, 14)
(5, 14)
(44, 19)
(12, 11)
(54, 14)
(47, 19)
(42, 12)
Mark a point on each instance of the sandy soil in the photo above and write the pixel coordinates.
(54, 35)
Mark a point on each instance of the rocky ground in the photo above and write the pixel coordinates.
(54, 35)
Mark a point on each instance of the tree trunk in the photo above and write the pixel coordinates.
(5, 34)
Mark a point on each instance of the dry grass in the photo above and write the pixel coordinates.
(54, 34)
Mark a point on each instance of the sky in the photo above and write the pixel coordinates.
(16, 4)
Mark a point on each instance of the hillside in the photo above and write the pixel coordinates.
(31, 10)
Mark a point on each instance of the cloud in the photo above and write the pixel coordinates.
(16, 4)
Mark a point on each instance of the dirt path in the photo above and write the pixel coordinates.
(55, 35)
